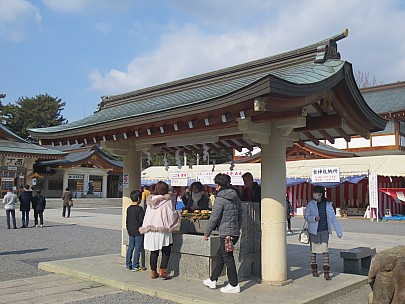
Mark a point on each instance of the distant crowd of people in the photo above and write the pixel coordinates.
(27, 200)
(31, 199)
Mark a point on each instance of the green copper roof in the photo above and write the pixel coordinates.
(12, 147)
(13, 144)
(386, 100)
(301, 74)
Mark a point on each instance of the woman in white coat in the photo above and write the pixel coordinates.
(320, 216)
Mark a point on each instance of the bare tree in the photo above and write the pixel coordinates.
(364, 80)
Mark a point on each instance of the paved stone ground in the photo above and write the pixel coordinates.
(22, 249)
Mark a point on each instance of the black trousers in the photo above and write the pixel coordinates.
(64, 211)
(225, 258)
(39, 213)
(166, 251)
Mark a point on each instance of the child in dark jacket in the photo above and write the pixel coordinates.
(134, 220)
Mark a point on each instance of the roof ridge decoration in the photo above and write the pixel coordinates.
(329, 50)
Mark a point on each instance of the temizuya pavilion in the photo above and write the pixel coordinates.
(308, 94)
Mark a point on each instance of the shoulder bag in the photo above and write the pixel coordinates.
(304, 234)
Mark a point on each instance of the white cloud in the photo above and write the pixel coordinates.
(16, 18)
(103, 27)
(79, 6)
(374, 45)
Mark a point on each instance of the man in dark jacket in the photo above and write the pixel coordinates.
(39, 204)
(25, 203)
(252, 192)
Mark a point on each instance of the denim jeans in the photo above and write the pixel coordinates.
(225, 258)
(135, 246)
(25, 218)
(12, 213)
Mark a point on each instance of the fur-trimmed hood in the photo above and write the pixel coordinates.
(155, 201)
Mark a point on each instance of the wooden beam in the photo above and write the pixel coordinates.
(223, 146)
(318, 108)
(271, 115)
(279, 103)
(195, 149)
(214, 148)
(321, 123)
(342, 133)
(234, 145)
(245, 144)
(327, 136)
(311, 138)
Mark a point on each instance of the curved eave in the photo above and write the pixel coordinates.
(363, 110)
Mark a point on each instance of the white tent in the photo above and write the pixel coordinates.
(385, 165)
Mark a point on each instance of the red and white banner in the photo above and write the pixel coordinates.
(396, 193)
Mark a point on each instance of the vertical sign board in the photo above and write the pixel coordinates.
(373, 192)
(125, 180)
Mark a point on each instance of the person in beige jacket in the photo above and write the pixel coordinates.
(67, 202)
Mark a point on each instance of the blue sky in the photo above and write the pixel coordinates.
(79, 50)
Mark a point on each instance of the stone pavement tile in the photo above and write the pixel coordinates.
(25, 295)
(26, 287)
(53, 277)
(12, 283)
(67, 288)
(69, 280)
(61, 298)
(101, 291)
(22, 302)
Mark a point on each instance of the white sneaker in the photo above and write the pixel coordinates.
(230, 289)
(210, 284)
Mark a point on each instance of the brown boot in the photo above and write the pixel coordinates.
(326, 275)
(163, 274)
(154, 274)
(314, 268)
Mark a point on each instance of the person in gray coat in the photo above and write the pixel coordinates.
(10, 200)
(227, 216)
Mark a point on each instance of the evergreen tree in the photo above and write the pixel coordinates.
(37, 112)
